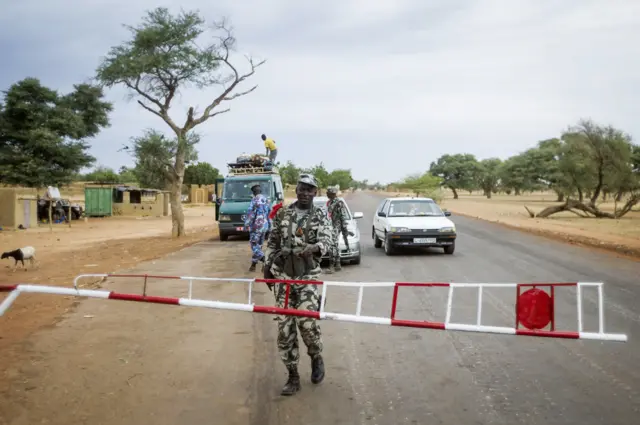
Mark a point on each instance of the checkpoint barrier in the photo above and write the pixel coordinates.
(535, 308)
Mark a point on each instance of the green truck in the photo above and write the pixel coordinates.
(233, 201)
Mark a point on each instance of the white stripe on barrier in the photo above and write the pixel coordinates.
(603, 336)
(357, 319)
(481, 328)
(215, 304)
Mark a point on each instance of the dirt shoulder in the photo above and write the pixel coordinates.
(621, 236)
(96, 246)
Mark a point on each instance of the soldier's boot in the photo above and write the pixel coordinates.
(293, 383)
(317, 369)
(337, 267)
(331, 269)
(252, 267)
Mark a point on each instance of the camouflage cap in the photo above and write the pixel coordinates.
(332, 189)
(308, 179)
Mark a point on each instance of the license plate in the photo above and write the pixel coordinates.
(424, 240)
(239, 229)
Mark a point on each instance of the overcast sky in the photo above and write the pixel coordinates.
(382, 87)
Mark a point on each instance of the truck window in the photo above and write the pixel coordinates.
(241, 190)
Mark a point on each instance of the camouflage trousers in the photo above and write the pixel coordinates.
(334, 252)
(301, 297)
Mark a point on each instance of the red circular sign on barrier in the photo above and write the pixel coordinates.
(534, 309)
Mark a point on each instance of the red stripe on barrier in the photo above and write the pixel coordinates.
(144, 298)
(548, 334)
(424, 284)
(286, 311)
(417, 324)
(298, 282)
(144, 275)
(8, 288)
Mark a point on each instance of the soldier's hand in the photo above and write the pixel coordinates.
(351, 233)
(310, 250)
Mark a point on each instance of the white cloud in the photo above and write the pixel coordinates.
(348, 80)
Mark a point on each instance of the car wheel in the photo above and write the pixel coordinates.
(388, 246)
(376, 241)
(224, 237)
(449, 249)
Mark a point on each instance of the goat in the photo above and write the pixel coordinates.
(21, 254)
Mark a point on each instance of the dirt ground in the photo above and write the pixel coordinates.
(621, 236)
(96, 246)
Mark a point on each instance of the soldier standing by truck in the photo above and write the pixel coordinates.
(337, 213)
(300, 236)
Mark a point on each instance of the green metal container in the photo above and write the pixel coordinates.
(98, 201)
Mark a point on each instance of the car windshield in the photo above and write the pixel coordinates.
(240, 191)
(414, 209)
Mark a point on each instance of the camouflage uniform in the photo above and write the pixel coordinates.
(293, 229)
(337, 212)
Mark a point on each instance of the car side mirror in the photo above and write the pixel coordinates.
(279, 196)
(447, 213)
(357, 215)
(381, 214)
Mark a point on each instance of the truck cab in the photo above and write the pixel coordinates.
(233, 202)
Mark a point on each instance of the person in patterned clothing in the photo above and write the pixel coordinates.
(258, 224)
(337, 212)
(300, 236)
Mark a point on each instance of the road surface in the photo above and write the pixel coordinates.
(123, 363)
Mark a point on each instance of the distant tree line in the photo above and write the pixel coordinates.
(587, 164)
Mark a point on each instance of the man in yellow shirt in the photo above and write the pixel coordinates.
(272, 150)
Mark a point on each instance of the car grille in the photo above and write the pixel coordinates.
(236, 218)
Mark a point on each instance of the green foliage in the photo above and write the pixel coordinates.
(488, 175)
(154, 153)
(342, 178)
(289, 173)
(457, 171)
(425, 184)
(102, 174)
(201, 173)
(321, 174)
(43, 134)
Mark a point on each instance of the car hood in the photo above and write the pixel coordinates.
(420, 222)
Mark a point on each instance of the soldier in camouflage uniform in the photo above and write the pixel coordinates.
(337, 212)
(300, 236)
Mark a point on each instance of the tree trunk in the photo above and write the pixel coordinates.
(177, 215)
(517, 192)
(487, 193)
(455, 193)
(560, 197)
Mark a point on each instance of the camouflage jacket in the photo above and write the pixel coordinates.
(290, 233)
(337, 212)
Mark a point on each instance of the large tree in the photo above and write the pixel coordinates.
(201, 173)
(43, 134)
(457, 171)
(166, 54)
(154, 155)
(594, 159)
(340, 177)
(488, 175)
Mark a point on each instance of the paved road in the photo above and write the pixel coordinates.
(194, 366)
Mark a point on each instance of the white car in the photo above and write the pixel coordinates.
(352, 254)
(412, 222)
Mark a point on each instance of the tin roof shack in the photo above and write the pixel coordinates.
(133, 201)
(18, 206)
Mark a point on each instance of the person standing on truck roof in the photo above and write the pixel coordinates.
(300, 236)
(272, 150)
(258, 224)
(337, 212)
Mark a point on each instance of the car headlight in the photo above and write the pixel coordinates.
(400, 229)
(447, 229)
(225, 217)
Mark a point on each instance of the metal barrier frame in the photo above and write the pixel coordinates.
(322, 314)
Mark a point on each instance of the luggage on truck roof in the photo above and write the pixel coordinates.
(251, 164)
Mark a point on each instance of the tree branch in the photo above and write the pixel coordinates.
(224, 96)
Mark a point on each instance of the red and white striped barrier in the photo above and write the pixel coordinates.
(534, 307)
